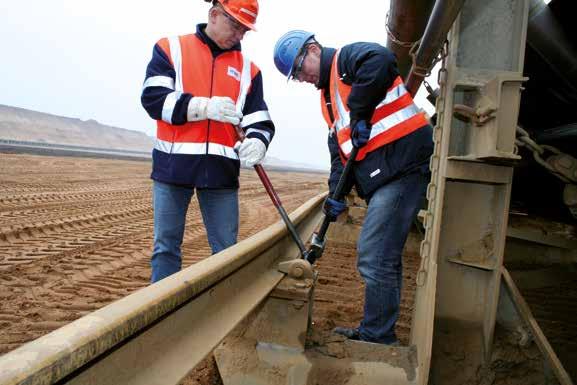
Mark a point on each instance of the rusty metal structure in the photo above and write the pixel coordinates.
(441, 19)
(251, 304)
(405, 24)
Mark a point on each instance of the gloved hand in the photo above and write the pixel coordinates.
(333, 208)
(219, 108)
(361, 133)
(251, 151)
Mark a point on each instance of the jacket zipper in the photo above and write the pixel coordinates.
(208, 123)
(210, 95)
(328, 105)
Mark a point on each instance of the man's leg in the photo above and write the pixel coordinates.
(390, 214)
(219, 209)
(170, 206)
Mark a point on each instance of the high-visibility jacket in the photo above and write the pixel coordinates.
(201, 153)
(396, 115)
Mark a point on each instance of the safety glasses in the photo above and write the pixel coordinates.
(235, 25)
(299, 67)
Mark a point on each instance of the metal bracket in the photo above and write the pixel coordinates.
(565, 165)
(481, 114)
(492, 104)
(297, 268)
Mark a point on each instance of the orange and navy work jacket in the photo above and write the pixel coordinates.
(201, 153)
(394, 117)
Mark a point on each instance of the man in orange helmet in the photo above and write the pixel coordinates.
(197, 88)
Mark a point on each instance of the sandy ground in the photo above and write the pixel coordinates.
(551, 293)
(76, 234)
(339, 292)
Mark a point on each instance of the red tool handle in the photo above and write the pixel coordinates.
(261, 174)
(268, 185)
(275, 200)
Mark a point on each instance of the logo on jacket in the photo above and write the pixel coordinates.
(234, 73)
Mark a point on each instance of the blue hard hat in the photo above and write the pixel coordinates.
(287, 49)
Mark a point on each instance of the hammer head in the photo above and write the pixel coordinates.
(316, 249)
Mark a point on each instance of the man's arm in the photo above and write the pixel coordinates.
(159, 98)
(371, 70)
(256, 121)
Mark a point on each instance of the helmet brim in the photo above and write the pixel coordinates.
(246, 23)
(290, 74)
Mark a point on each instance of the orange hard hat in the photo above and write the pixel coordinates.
(244, 11)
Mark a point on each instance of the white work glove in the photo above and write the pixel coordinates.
(251, 152)
(219, 108)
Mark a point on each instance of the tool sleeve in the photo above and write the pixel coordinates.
(159, 85)
(256, 121)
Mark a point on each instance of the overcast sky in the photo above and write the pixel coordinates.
(87, 59)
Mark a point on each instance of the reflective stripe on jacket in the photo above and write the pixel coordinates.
(395, 117)
(200, 154)
(199, 74)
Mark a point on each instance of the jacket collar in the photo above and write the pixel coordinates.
(327, 55)
(215, 49)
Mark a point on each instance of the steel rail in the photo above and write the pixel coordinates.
(158, 334)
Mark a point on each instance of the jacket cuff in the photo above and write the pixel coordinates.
(258, 135)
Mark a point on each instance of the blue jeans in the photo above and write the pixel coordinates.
(389, 216)
(219, 209)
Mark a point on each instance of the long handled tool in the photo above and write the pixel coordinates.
(244, 86)
(318, 240)
(276, 200)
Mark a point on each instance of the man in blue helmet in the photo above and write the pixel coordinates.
(366, 105)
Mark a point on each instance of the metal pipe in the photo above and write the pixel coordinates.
(442, 18)
(282, 212)
(318, 241)
(552, 42)
(406, 22)
(567, 131)
(524, 312)
(275, 199)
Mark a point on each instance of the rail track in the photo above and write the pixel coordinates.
(74, 243)
(202, 291)
(77, 308)
(76, 234)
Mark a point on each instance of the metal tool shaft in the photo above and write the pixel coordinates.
(315, 252)
(276, 200)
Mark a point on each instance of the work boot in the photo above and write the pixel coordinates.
(353, 334)
(350, 333)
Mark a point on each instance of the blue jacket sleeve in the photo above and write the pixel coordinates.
(256, 121)
(158, 86)
(370, 69)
